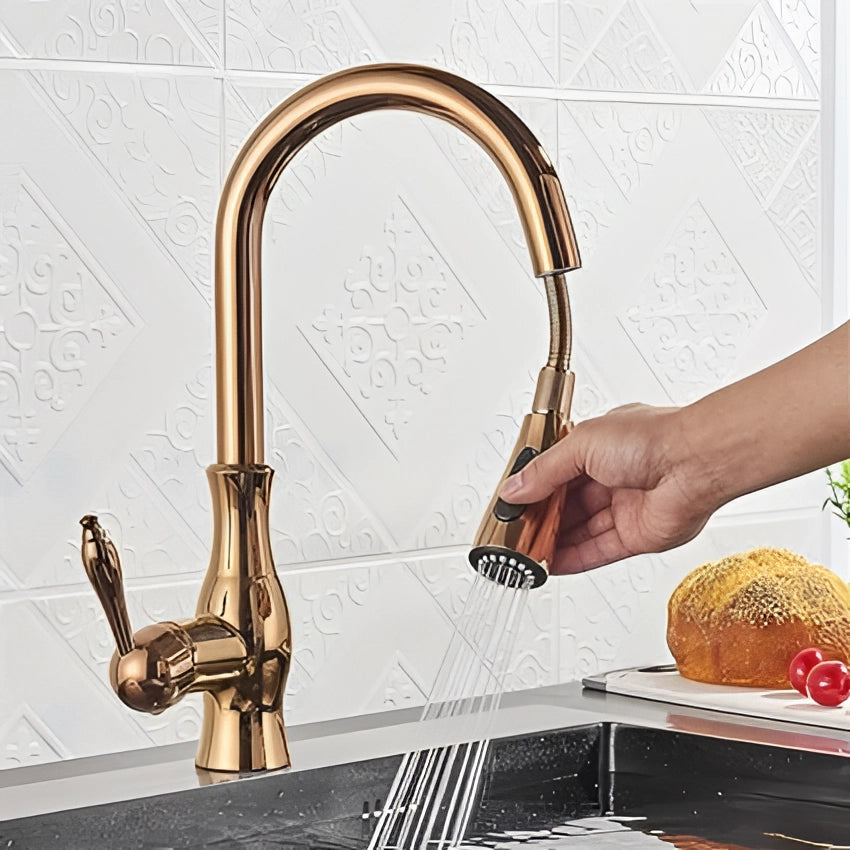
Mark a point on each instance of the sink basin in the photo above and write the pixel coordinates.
(624, 785)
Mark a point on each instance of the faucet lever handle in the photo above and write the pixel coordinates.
(103, 567)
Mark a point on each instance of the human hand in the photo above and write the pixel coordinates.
(627, 488)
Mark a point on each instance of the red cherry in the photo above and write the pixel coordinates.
(801, 666)
(829, 683)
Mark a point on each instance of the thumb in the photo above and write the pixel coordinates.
(552, 469)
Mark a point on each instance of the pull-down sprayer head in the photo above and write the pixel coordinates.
(521, 538)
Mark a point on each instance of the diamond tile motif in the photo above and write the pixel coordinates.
(63, 323)
(628, 138)
(795, 210)
(778, 152)
(696, 309)
(157, 139)
(400, 687)
(314, 36)
(629, 55)
(403, 316)
(315, 513)
(51, 727)
(593, 197)
(581, 25)
(762, 142)
(762, 63)
(606, 152)
(508, 41)
(174, 456)
(25, 740)
(801, 20)
(152, 538)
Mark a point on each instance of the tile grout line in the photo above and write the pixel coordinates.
(654, 98)
(222, 37)
(558, 35)
(555, 92)
(140, 583)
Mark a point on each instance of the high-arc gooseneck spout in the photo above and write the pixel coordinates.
(517, 153)
(237, 650)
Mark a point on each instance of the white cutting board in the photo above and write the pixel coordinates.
(664, 684)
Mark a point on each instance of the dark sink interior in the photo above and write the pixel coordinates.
(552, 789)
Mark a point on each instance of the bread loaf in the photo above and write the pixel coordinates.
(742, 619)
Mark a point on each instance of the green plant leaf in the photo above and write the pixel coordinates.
(839, 484)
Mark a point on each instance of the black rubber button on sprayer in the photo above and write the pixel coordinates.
(503, 510)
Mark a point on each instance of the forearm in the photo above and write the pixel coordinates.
(786, 420)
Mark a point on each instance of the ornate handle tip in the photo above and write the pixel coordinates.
(103, 567)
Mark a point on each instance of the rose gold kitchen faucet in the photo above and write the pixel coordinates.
(237, 650)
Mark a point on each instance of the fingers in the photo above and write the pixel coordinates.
(555, 467)
(594, 526)
(591, 550)
(585, 497)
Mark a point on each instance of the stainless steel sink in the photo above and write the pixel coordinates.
(597, 785)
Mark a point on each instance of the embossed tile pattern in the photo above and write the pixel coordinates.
(64, 322)
(164, 33)
(695, 311)
(761, 62)
(157, 138)
(403, 328)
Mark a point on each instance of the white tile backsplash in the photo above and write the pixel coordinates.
(403, 326)
(162, 33)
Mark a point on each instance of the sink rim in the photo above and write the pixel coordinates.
(115, 777)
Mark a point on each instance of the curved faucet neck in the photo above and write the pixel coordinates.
(522, 161)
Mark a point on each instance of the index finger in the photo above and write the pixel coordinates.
(552, 469)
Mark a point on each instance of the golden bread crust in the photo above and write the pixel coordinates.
(742, 619)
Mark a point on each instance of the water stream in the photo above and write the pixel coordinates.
(432, 797)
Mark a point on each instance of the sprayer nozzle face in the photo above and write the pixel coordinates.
(507, 567)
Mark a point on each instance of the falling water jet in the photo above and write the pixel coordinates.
(431, 800)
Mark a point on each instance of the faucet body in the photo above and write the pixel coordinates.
(237, 650)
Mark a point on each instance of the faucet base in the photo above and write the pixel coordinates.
(236, 741)
(243, 717)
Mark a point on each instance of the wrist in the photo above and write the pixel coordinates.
(700, 463)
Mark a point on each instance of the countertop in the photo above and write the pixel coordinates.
(140, 773)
